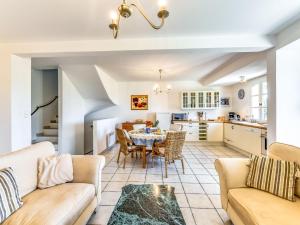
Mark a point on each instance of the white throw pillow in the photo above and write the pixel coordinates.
(54, 170)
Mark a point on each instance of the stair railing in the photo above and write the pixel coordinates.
(42, 106)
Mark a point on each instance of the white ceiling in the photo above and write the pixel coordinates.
(144, 65)
(57, 20)
(253, 70)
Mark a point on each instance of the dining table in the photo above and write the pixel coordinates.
(146, 141)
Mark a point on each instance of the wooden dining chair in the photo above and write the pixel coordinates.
(170, 149)
(126, 146)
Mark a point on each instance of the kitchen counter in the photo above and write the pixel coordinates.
(242, 123)
(248, 124)
(197, 121)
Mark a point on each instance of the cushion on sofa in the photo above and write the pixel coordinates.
(24, 162)
(54, 170)
(61, 204)
(10, 200)
(258, 207)
(274, 176)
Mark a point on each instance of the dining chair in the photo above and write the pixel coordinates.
(170, 149)
(126, 146)
(176, 127)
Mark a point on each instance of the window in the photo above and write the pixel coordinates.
(259, 101)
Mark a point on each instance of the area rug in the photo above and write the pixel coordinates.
(147, 205)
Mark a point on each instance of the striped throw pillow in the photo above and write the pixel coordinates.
(10, 199)
(274, 176)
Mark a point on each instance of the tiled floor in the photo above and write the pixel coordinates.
(197, 191)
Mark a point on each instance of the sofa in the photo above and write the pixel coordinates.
(249, 206)
(69, 203)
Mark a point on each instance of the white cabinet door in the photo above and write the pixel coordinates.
(192, 131)
(245, 138)
(251, 140)
(215, 132)
(229, 133)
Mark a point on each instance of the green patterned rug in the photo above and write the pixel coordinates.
(147, 205)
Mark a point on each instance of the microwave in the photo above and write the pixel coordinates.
(179, 116)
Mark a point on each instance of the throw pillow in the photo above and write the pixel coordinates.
(10, 199)
(274, 176)
(54, 170)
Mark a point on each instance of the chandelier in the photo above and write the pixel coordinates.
(157, 88)
(125, 10)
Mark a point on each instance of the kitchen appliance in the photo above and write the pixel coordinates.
(231, 115)
(179, 116)
(264, 142)
(234, 116)
(201, 116)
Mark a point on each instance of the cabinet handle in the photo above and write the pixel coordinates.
(232, 127)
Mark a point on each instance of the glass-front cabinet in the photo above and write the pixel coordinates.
(200, 99)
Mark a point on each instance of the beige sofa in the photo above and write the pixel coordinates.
(70, 203)
(248, 206)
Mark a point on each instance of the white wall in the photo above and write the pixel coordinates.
(36, 99)
(44, 87)
(242, 106)
(287, 96)
(157, 103)
(20, 102)
(50, 90)
(5, 102)
(72, 120)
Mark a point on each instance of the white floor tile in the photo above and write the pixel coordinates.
(188, 216)
(115, 186)
(211, 188)
(110, 198)
(192, 188)
(199, 201)
(102, 216)
(182, 201)
(207, 217)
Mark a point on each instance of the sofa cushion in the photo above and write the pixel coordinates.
(257, 207)
(24, 163)
(62, 204)
(54, 170)
(10, 199)
(274, 176)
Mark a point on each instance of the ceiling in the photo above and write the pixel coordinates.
(144, 65)
(66, 20)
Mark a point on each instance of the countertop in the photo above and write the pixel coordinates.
(242, 123)
(248, 124)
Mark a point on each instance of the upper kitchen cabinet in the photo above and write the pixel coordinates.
(200, 99)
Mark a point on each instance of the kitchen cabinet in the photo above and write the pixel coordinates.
(200, 99)
(246, 138)
(214, 132)
(192, 130)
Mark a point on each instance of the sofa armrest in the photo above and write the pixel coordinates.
(88, 169)
(233, 173)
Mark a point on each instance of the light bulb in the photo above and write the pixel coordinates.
(162, 4)
(169, 87)
(114, 17)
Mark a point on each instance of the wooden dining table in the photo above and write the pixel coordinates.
(146, 141)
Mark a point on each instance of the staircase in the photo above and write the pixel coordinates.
(50, 133)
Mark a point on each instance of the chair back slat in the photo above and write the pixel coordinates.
(174, 144)
(122, 140)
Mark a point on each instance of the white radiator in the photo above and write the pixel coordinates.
(111, 139)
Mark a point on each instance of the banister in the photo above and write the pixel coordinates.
(42, 106)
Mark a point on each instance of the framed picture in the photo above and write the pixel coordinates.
(139, 102)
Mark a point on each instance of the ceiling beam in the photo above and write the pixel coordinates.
(237, 62)
(219, 43)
